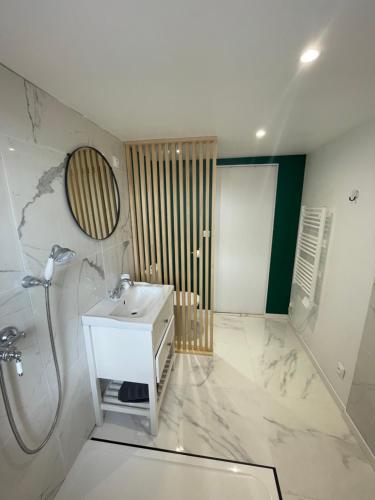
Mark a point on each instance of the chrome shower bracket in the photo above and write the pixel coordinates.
(31, 281)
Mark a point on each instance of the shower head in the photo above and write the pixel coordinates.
(59, 255)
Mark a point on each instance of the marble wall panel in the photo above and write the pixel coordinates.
(36, 133)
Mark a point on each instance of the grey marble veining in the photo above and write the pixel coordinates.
(33, 106)
(94, 265)
(43, 187)
(308, 383)
(258, 399)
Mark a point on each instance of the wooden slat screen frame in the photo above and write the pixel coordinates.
(172, 189)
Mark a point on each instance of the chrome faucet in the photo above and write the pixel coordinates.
(115, 294)
(8, 351)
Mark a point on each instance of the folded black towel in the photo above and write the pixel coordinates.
(132, 392)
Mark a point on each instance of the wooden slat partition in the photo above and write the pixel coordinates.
(181, 195)
(206, 236)
(176, 248)
(169, 215)
(155, 178)
(151, 224)
(195, 248)
(172, 184)
(146, 239)
(200, 250)
(133, 214)
(188, 249)
(164, 252)
(138, 205)
(212, 239)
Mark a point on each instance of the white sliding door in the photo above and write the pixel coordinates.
(245, 211)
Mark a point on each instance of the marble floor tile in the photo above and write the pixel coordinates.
(230, 367)
(191, 370)
(257, 399)
(224, 423)
(264, 334)
(287, 372)
(319, 465)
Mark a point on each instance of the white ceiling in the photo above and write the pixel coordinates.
(167, 68)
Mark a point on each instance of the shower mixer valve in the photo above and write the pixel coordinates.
(8, 351)
(9, 335)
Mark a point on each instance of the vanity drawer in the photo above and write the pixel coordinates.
(164, 349)
(162, 323)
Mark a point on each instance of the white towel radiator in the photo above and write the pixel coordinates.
(309, 248)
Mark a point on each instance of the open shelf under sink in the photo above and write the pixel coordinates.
(110, 394)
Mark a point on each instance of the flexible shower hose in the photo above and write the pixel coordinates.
(8, 408)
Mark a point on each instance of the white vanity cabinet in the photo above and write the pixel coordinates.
(132, 340)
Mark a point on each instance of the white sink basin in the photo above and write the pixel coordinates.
(136, 301)
(138, 306)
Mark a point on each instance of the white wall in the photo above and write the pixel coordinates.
(331, 173)
(361, 403)
(34, 215)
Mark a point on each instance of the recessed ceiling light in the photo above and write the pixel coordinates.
(260, 133)
(309, 55)
(11, 149)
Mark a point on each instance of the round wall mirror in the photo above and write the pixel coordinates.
(92, 192)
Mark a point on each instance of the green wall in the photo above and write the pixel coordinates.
(287, 209)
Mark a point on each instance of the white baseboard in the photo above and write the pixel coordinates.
(354, 429)
(283, 317)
